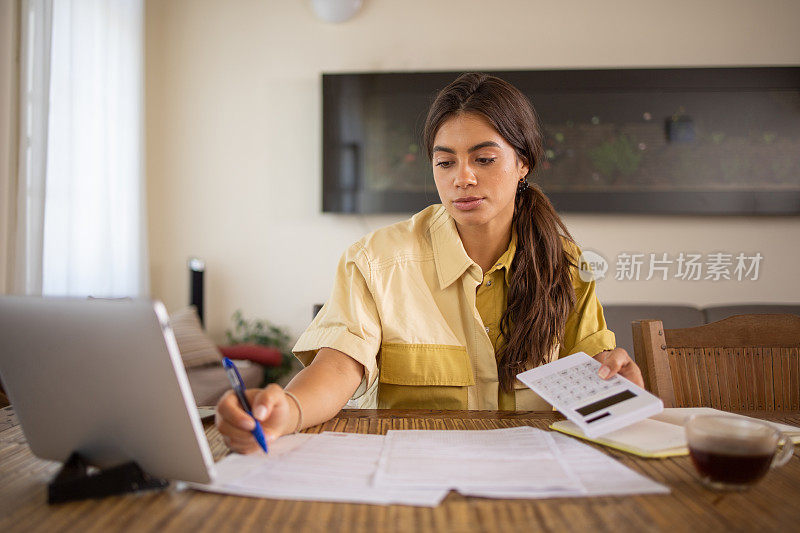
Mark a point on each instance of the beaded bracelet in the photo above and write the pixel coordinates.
(299, 410)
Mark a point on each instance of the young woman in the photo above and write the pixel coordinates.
(443, 310)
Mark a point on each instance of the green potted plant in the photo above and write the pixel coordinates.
(263, 333)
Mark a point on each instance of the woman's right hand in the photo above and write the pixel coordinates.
(323, 388)
(271, 406)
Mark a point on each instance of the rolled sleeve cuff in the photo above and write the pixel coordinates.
(341, 339)
(595, 343)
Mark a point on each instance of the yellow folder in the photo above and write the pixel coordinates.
(659, 436)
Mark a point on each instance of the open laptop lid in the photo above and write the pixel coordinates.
(103, 378)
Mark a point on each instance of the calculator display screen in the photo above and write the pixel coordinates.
(605, 402)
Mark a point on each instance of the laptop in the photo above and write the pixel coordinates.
(103, 378)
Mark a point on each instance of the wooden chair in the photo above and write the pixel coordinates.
(741, 362)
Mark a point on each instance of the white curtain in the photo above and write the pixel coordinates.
(35, 31)
(94, 216)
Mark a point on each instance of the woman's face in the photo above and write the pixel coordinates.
(476, 171)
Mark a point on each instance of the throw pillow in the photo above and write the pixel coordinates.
(195, 346)
(263, 355)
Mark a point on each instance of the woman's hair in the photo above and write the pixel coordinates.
(540, 294)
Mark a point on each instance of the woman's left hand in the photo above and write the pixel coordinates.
(617, 361)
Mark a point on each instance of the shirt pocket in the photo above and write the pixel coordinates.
(423, 376)
(527, 400)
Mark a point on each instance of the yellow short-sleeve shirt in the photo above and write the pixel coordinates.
(410, 305)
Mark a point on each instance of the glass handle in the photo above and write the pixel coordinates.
(782, 457)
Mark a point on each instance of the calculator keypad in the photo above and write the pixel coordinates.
(575, 385)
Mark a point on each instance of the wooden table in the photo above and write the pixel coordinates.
(772, 505)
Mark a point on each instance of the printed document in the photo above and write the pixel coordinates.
(331, 467)
(599, 474)
(419, 467)
(521, 457)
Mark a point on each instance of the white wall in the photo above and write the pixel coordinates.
(234, 149)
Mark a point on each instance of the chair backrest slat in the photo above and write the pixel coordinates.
(721, 369)
(791, 369)
(776, 360)
(742, 362)
(714, 390)
(738, 357)
(769, 387)
(704, 376)
(794, 356)
(759, 366)
(678, 379)
(689, 366)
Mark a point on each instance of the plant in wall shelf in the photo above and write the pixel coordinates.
(616, 157)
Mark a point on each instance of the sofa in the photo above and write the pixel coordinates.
(202, 359)
(209, 382)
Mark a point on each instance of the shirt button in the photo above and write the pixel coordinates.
(489, 283)
(487, 329)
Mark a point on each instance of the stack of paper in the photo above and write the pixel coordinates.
(420, 467)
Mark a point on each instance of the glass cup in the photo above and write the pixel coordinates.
(733, 453)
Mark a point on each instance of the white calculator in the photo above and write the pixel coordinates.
(596, 405)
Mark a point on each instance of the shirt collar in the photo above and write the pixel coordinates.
(448, 250)
(508, 256)
(449, 254)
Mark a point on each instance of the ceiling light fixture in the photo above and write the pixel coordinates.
(336, 10)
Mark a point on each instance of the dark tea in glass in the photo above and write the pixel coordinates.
(730, 467)
(732, 453)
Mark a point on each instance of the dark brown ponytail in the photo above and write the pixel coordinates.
(540, 295)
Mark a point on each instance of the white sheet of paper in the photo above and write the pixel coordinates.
(599, 474)
(234, 465)
(522, 457)
(336, 467)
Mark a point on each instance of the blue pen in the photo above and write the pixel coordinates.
(238, 387)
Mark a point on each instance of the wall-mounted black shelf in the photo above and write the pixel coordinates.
(679, 140)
